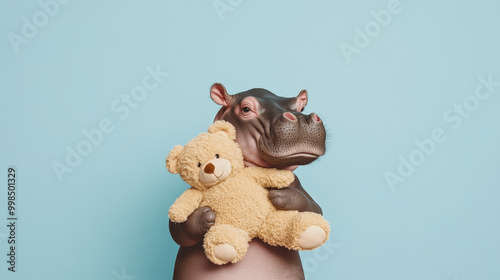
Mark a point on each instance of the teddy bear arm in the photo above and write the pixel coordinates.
(271, 177)
(185, 205)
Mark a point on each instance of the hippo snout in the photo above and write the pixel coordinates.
(294, 139)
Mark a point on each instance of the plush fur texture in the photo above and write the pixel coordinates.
(212, 163)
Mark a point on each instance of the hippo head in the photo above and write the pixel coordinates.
(271, 130)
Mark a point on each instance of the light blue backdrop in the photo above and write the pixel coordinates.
(382, 75)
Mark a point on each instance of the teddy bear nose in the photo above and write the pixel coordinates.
(209, 168)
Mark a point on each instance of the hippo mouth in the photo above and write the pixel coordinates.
(301, 156)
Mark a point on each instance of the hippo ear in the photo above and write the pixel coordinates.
(223, 128)
(172, 159)
(219, 95)
(301, 101)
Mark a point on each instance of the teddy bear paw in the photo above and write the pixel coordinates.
(312, 237)
(224, 252)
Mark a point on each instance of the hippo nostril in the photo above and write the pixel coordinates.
(315, 117)
(209, 168)
(290, 116)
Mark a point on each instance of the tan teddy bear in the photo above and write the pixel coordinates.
(212, 163)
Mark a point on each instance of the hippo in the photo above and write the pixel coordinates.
(273, 132)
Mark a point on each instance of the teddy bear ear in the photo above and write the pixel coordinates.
(223, 128)
(172, 158)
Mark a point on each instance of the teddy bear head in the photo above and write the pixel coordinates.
(209, 158)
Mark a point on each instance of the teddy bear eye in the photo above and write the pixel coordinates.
(199, 164)
(217, 155)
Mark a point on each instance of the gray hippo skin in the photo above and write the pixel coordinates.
(272, 132)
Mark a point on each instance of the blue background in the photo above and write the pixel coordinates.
(108, 217)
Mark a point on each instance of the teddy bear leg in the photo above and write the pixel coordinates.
(310, 230)
(277, 228)
(225, 243)
(295, 230)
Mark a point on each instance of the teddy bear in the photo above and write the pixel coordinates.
(212, 164)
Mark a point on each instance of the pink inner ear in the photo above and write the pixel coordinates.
(219, 95)
(301, 100)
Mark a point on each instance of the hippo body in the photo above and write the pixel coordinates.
(272, 131)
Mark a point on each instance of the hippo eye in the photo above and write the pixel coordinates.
(199, 164)
(249, 108)
(217, 155)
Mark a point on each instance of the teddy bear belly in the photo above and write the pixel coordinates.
(245, 207)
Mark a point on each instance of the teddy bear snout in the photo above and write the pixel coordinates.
(215, 171)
